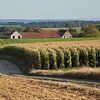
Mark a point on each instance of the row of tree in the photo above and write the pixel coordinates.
(6, 29)
(54, 23)
(88, 30)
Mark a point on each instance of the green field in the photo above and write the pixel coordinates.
(78, 29)
(12, 41)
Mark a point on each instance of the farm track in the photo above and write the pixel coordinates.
(82, 83)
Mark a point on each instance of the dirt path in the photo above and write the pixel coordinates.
(7, 67)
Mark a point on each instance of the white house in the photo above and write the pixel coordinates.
(67, 34)
(40, 34)
(16, 35)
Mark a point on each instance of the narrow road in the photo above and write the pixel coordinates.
(7, 67)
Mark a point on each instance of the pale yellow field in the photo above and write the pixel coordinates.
(89, 43)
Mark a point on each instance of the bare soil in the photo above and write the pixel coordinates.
(17, 88)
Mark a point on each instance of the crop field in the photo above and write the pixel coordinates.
(44, 40)
(17, 88)
(49, 58)
(78, 29)
(83, 43)
(54, 55)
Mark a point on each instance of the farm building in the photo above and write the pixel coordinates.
(40, 34)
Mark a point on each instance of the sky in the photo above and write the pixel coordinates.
(49, 9)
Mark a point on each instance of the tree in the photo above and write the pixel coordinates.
(90, 30)
(28, 29)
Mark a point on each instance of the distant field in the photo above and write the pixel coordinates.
(56, 29)
(48, 45)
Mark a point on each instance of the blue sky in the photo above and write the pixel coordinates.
(49, 9)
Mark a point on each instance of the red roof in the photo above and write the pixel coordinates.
(41, 34)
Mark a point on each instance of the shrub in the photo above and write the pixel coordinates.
(83, 56)
(75, 57)
(67, 58)
(60, 58)
(52, 59)
(44, 59)
(92, 57)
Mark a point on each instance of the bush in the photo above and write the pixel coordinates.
(83, 56)
(92, 57)
(75, 57)
(52, 59)
(44, 59)
(67, 58)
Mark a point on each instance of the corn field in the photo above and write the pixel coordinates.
(51, 58)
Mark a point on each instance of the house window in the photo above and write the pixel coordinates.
(64, 37)
(70, 36)
(19, 37)
(13, 37)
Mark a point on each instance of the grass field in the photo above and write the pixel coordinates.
(78, 29)
(43, 40)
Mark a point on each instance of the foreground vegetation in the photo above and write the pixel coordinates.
(51, 58)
